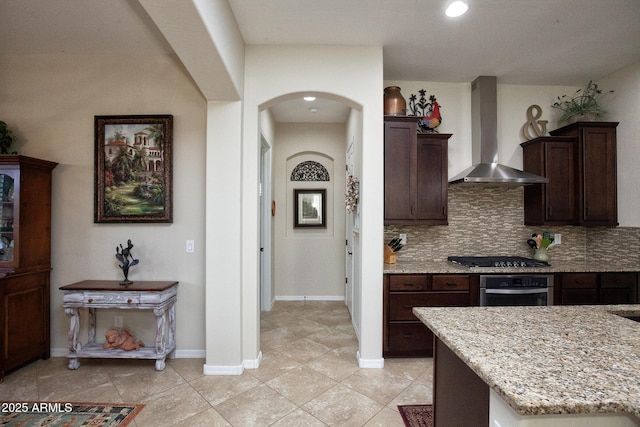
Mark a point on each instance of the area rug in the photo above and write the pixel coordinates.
(65, 414)
(417, 415)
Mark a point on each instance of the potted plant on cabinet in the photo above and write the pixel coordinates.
(584, 105)
(6, 138)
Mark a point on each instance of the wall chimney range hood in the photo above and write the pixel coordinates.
(484, 142)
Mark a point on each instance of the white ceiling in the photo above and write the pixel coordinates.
(541, 42)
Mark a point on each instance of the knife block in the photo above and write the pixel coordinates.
(390, 257)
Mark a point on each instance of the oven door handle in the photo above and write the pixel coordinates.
(517, 291)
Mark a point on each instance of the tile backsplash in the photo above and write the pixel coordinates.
(489, 220)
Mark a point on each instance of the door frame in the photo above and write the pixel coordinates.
(266, 298)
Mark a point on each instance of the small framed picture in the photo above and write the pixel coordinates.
(310, 208)
(133, 169)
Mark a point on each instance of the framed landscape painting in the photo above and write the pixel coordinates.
(133, 169)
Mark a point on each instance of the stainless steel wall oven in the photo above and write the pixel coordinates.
(521, 289)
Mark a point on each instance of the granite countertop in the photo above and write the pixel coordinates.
(446, 267)
(548, 360)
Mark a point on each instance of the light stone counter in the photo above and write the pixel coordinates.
(548, 360)
(446, 267)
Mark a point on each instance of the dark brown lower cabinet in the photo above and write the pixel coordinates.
(597, 288)
(403, 334)
(578, 288)
(618, 288)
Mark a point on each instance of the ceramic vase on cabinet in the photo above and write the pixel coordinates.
(394, 102)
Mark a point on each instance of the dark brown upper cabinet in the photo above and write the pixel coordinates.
(580, 161)
(415, 174)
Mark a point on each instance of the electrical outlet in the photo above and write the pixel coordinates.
(190, 246)
(557, 238)
(117, 321)
(403, 239)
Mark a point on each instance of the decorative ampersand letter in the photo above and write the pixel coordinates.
(539, 127)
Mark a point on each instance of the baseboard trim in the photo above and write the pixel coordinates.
(253, 364)
(355, 327)
(222, 370)
(310, 298)
(232, 370)
(191, 354)
(370, 363)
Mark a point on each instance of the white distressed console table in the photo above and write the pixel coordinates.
(159, 296)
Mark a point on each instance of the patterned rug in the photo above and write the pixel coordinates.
(417, 415)
(36, 414)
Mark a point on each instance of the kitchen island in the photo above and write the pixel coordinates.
(535, 366)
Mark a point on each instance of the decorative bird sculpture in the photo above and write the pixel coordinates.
(429, 112)
(433, 118)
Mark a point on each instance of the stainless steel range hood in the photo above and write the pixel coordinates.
(484, 142)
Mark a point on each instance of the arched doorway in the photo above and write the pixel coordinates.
(325, 139)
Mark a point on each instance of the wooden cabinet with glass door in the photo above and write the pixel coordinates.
(8, 178)
(25, 259)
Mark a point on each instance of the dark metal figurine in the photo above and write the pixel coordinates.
(126, 258)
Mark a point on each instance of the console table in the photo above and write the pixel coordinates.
(159, 296)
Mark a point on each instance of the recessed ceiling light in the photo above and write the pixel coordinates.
(309, 98)
(313, 110)
(457, 8)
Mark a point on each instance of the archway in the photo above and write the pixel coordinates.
(315, 148)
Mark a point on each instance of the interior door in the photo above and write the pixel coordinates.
(348, 291)
(265, 227)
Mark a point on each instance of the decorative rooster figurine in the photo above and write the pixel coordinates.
(433, 118)
(429, 112)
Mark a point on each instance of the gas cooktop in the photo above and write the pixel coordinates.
(497, 261)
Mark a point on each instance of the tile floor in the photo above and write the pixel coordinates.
(309, 376)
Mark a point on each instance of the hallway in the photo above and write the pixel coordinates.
(308, 377)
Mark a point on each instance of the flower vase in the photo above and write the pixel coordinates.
(541, 254)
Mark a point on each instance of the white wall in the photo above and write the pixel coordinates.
(223, 212)
(624, 106)
(267, 134)
(354, 136)
(50, 101)
(309, 262)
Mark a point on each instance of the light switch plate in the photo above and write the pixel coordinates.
(190, 246)
(557, 238)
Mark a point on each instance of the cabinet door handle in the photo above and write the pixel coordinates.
(129, 301)
(451, 284)
(90, 300)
